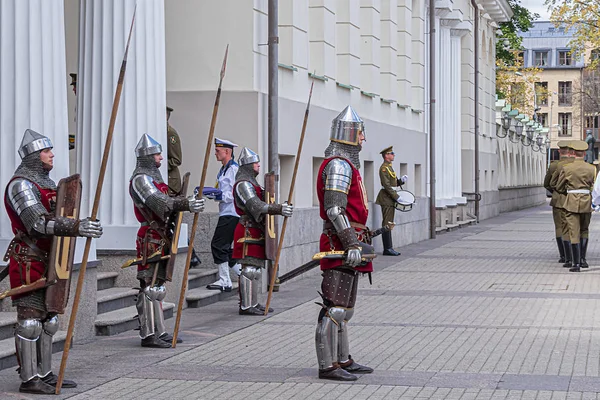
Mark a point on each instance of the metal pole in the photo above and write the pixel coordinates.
(476, 101)
(273, 113)
(550, 130)
(432, 70)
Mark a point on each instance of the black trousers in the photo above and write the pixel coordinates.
(221, 241)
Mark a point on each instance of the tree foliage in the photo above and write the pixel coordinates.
(582, 19)
(508, 37)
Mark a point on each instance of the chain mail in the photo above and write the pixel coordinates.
(333, 198)
(344, 150)
(160, 204)
(32, 169)
(246, 173)
(253, 261)
(147, 166)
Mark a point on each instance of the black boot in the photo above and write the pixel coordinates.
(388, 247)
(568, 254)
(51, 379)
(336, 374)
(36, 386)
(355, 368)
(561, 250)
(584, 245)
(166, 337)
(576, 252)
(153, 341)
(251, 311)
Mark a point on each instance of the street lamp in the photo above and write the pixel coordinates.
(528, 137)
(516, 137)
(506, 123)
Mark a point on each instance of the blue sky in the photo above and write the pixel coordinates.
(537, 6)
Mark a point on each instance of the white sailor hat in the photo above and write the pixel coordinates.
(224, 143)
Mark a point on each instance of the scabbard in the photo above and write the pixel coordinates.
(23, 289)
(340, 255)
(156, 257)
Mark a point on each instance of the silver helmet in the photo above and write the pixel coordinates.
(347, 127)
(32, 142)
(248, 156)
(147, 146)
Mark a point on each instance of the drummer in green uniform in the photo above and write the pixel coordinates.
(388, 197)
(173, 157)
(563, 151)
(560, 201)
(575, 181)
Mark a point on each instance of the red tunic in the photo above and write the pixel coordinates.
(254, 232)
(152, 234)
(18, 272)
(357, 211)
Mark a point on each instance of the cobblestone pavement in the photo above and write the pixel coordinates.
(485, 312)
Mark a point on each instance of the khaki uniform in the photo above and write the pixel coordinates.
(387, 195)
(558, 226)
(174, 160)
(558, 199)
(577, 175)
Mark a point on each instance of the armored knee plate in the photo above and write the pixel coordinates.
(27, 334)
(248, 288)
(145, 311)
(155, 292)
(326, 337)
(44, 346)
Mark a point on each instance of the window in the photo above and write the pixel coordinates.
(564, 57)
(564, 121)
(542, 118)
(540, 58)
(541, 93)
(564, 93)
(592, 122)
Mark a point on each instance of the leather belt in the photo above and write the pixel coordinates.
(581, 191)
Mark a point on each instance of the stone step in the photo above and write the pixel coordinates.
(125, 319)
(199, 278)
(7, 324)
(114, 299)
(106, 280)
(201, 297)
(8, 359)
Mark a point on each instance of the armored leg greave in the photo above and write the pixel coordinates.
(26, 336)
(44, 346)
(159, 318)
(343, 355)
(248, 289)
(145, 310)
(326, 338)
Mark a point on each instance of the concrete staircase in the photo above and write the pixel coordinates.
(116, 310)
(453, 217)
(8, 358)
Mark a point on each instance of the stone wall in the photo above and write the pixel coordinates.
(518, 198)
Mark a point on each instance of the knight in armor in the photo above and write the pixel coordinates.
(249, 235)
(344, 209)
(155, 211)
(30, 200)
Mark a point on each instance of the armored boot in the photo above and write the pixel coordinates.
(344, 358)
(568, 254)
(145, 310)
(27, 333)
(248, 291)
(159, 323)
(584, 245)
(44, 354)
(388, 246)
(224, 282)
(561, 250)
(326, 341)
(576, 252)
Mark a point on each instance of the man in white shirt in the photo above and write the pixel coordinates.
(228, 218)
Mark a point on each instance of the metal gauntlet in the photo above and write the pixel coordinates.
(63, 226)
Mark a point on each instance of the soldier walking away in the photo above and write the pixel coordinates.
(174, 159)
(560, 201)
(155, 211)
(30, 201)
(563, 151)
(576, 181)
(249, 235)
(344, 209)
(388, 197)
(228, 218)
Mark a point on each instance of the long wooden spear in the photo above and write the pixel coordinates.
(96, 206)
(290, 198)
(211, 134)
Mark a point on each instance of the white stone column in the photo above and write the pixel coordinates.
(104, 26)
(33, 86)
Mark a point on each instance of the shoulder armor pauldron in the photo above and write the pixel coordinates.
(245, 191)
(143, 187)
(338, 175)
(21, 195)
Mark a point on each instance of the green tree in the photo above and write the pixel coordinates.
(509, 40)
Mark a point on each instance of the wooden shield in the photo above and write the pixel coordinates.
(60, 263)
(270, 220)
(176, 231)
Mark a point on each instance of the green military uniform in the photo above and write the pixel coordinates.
(387, 198)
(575, 182)
(556, 212)
(558, 200)
(173, 158)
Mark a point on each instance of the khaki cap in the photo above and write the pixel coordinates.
(579, 145)
(387, 150)
(564, 144)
